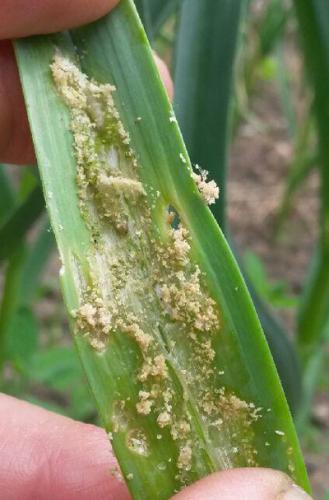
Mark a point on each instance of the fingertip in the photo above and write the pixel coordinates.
(244, 484)
(15, 136)
(44, 455)
(24, 18)
(165, 75)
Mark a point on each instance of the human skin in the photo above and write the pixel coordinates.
(44, 455)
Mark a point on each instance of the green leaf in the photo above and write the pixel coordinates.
(28, 180)
(56, 367)
(206, 46)
(18, 329)
(22, 337)
(283, 352)
(313, 17)
(143, 8)
(16, 225)
(285, 88)
(271, 25)
(203, 406)
(9, 301)
(160, 12)
(275, 293)
(267, 30)
(303, 164)
(256, 272)
(7, 195)
(311, 377)
(37, 258)
(82, 406)
(154, 13)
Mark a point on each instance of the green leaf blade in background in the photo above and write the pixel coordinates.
(143, 7)
(18, 327)
(115, 50)
(21, 218)
(22, 337)
(7, 195)
(313, 314)
(313, 17)
(272, 25)
(37, 257)
(206, 46)
(154, 13)
(9, 299)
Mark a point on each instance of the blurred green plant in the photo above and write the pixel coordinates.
(33, 365)
(313, 17)
(154, 14)
(313, 317)
(275, 293)
(205, 59)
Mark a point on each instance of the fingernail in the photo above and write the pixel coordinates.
(294, 492)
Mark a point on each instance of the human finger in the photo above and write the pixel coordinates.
(244, 484)
(44, 455)
(31, 17)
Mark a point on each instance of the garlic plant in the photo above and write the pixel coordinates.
(163, 323)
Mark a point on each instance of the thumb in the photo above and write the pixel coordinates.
(244, 484)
